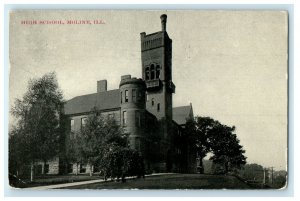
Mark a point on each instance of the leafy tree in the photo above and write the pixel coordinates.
(97, 134)
(37, 115)
(74, 149)
(17, 153)
(209, 135)
(280, 179)
(252, 172)
(200, 128)
(103, 142)
(119, 162)
(226, 148)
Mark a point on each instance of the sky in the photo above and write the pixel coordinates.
(231, 65)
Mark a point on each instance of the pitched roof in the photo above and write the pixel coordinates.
(182, 113)
(102, 101)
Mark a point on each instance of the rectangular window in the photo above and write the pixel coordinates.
(82, 168)
(70, 168)
(124, 118)
(137, 119)
(134, 95)
(46, 168)
(121, 98)
(126, 96)
(72, 125)
(152, 102)
(83, 122)
(158, 107)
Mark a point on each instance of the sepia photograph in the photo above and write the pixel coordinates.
(148, 99)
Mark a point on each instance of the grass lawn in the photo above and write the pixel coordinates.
(173, 181)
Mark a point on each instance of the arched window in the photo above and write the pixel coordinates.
(147, 73)
(157, 72)
(152, 72)
(126, 96)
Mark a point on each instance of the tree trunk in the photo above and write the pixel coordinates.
(31, 172)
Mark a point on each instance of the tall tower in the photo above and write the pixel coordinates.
(133, 110)
(157, 73)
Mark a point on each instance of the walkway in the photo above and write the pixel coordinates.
(82, 183)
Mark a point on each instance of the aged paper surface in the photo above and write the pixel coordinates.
(231, 65)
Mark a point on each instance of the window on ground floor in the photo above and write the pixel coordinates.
(82, 168)
(46, 168)
(70, 168)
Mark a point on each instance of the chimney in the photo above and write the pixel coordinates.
(163, 19)
(125, 77)
(101, 86)
(143, 34)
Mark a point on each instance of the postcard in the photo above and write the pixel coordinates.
(161, 99)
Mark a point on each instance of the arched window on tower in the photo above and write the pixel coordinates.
(152, 72)
(147, 73)
(157, 72)
(126, 96)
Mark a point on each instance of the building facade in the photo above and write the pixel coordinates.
(143, 106)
